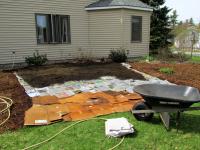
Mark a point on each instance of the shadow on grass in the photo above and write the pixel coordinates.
(134, 135)
(189, 123)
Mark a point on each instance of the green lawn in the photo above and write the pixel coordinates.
(90, 135)
(195, 59)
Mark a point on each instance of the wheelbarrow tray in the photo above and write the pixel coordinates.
(168, 95)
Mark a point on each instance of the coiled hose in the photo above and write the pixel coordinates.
(8, 103)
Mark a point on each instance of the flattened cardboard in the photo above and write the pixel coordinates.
(79, 107)
(36, 115)
(45, 100)
(45, 114)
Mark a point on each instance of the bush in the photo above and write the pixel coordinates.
(118, 55)
(165, 53)
(149, 58)
(36, 59)
(182, 56)
(168, 71)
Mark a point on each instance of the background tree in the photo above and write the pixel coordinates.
(199, 27)
(180, 23)
(187, 21)
(173, 19)
(160, 25)
(184, 26)
(174, 23)
(191, 21)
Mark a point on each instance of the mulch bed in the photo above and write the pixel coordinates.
(184, 73)
(46, 75)
(10, 87)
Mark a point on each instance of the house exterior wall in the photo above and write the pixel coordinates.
(111, 29)
(104, 31)
(136, 48)
(93, 33)
(18, 31)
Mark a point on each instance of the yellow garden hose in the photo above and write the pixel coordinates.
(36, 145)
(117, 144)
(8, 102)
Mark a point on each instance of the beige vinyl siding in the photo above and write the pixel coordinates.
(110, 29)
(93, 33)
(136, 48)
(104, 31)
(18, 31)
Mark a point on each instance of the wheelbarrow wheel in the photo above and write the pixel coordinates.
(142, 116)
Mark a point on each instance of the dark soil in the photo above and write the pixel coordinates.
(184, 73)
(60, 73)
(9, 87)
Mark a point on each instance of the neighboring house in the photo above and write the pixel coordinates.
(68, 29)
(187, 38)
(197, 45)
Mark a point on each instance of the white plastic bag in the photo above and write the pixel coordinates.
(118, 127)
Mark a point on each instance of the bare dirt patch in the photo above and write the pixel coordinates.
(60, 73)
(10, 87)
(184, 73)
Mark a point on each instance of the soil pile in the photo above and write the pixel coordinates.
(10, 87)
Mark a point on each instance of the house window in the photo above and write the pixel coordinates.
(136, 25)
(53, 28)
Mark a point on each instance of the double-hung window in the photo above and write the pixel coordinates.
(136, 25)
(53, 28)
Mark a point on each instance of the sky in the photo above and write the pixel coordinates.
(186, 9)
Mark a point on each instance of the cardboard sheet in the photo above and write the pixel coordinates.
(78, 107)
(45, 114)
(45, 100)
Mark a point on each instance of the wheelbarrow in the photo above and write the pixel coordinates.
(164, 99)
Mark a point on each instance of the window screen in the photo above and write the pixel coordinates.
(136, 25)
(53, 28)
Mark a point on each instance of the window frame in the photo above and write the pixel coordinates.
(37, 14)
(52, 41)
(141, 22)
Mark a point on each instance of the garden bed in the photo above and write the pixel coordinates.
(49, 75)
(60, 73)
(183, 73)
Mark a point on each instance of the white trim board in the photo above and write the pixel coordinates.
(118, 7)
